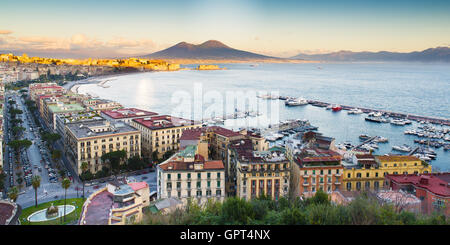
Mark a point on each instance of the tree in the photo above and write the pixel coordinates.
(36, 182)
(84, 168)
(114, 158)
(136, 163)
(2, 178)
(65, 184)
(18, 145)
(56, 155)
(17, 130)
(13, 193)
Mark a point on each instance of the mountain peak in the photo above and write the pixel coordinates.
(213, 44)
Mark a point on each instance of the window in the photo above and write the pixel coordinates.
(376, 185)
(179, 176)
(179, 194)
(199, 184)
(306, 172)
(349, 186)
(358, 186)
(376, 174)
(321, 180)
(189, 185)
(178, 185)
(348, 175)
(199, 193)
(321, 172)
(218, 183)
(367, 185)
(395, 164)
(169, 185)
(199, 176)
(367, 175)
(314, 172)
(337, 171)
(329, 171)
(358, 175)
(218, 192)
(209, 184)
(314, 180)
(189, 175)
(209, 175)
(218, 175)
(168, 176)
(313, 189)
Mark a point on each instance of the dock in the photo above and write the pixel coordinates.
(434, 120)
(414, 151)
(365, 142)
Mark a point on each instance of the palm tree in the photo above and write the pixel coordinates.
(13, 193)
(36, 182)
(84, 168)
(65, 184)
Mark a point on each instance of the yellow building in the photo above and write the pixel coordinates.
(368, 171)
(162, 134)
(88, 141)
(258, 173)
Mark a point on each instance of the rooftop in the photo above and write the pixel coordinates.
(397, 158)
(138, 185)
(128, 113)
(434, 183)
(184, 166)
(72, 117)
(98, 128)
(65, 107)
(163, 122)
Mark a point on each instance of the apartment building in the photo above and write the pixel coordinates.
(368, 171)
(62, 119)
(53, 107)
(256, 173)
(316, 169)
(189, 175)
(37, 89)
(126, 114)
(162, 133)
(88, 141)
(99, 105)
(432, 189)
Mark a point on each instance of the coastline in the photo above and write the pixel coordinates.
(74, 85)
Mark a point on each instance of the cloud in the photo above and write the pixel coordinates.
(5, 32)
(78, 45)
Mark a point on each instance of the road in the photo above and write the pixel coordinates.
(49, 191)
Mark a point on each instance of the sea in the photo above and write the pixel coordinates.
(415, 88)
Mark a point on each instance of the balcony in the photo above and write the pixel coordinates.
(337, 183)
(305, 176)
(306, 184)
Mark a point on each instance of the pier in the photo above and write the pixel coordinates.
(434, 120)
(365, 142)
(413, 151)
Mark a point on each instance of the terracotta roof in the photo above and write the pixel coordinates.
(138, 185)
(397, 158)
(178, 165)
(191, 134)
(223, 131)
(429, 182)
(216, 164)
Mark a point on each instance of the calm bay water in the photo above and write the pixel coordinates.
(422, 89)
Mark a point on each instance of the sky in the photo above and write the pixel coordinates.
(278, 28)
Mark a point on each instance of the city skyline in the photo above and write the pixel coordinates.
(115, 28)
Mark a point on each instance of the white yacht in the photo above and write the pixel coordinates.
(355, 111)
(296, 102)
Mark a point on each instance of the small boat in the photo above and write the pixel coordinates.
(375, 119)
(403, 148)
(355, 111)
(381, 139)
(364, 137)
(296, 102)
(336, 108)
(398, 122)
